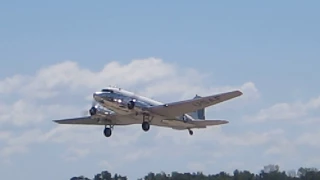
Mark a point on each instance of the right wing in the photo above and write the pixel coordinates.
(182, 107)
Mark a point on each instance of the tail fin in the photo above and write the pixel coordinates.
(199, 114)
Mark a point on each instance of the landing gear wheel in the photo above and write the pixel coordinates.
(190, 132)
(145, 126)
(93, 111)
(131, 105)
(107, 132)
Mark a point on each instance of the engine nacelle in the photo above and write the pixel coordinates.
(126, 103)
(131, 104)
(94, 111)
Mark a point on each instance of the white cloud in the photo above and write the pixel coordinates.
(217, 136)
(64, 90)
(5, 135)
(25, 112)
(154, 77)
(300, 137)
(68, 75)
(235, 165)
(106, 165)
(61, 90)
(139, 154)
(286, 111)
(74, 153)
(11, 84)
(10, 150)
(309, 138)
(196, 166)
(68, 82)
(17, 144)
(283, 147)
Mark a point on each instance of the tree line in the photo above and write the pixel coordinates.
(269, 172)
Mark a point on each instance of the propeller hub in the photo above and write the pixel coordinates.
(93, 111)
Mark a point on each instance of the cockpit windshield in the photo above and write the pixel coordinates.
(107, 91)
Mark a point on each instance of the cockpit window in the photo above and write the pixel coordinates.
(107, 90)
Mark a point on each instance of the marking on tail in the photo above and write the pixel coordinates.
(199, 114)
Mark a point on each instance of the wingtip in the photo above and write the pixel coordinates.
(55, 121)
(224, 121)
(239, 92)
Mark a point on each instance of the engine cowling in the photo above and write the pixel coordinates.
(94, 111)
(131, 104)
(128, 103)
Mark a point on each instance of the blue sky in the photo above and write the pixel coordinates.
(54, 54)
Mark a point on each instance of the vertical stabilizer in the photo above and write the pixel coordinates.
(199, 114)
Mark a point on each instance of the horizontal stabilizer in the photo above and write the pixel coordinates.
(202, 123)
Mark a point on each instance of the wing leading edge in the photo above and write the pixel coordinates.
(85, 120)
(110, 120)
(182, 107)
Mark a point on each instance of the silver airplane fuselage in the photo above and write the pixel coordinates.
(117, 100)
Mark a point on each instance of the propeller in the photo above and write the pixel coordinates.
(93, 104)
(84, 113)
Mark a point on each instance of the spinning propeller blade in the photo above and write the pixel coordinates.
(95, 104)
(86, 112)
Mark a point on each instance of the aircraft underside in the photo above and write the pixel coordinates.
(145, 117)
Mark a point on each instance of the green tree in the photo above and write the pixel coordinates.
(269, 172)
(79, 178)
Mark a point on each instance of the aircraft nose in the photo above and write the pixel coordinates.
(97, 95)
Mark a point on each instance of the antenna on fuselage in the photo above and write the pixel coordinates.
(113, 86)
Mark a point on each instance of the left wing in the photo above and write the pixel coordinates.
(87, 120)
(182, 107)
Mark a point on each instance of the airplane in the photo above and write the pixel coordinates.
(114, 106)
